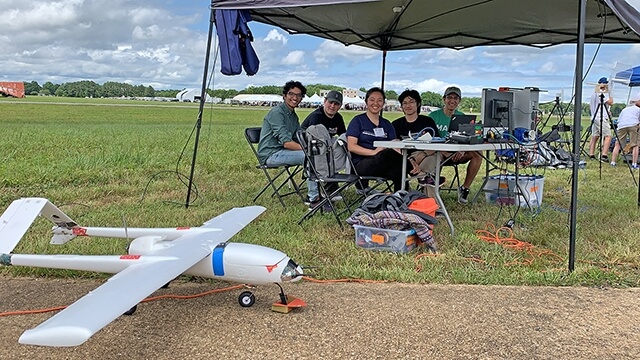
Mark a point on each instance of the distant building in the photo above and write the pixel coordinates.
(15, 89)
(352, 93)
(190, 95)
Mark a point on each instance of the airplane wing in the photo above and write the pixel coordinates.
(78, 322)
(19, 216)
(228, 218)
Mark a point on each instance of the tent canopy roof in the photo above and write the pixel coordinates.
(630, 76)
(458, 24)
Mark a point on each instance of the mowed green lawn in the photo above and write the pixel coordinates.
(116, 163)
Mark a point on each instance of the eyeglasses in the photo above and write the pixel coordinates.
(409, 102)
(294, 95)
(452, 97)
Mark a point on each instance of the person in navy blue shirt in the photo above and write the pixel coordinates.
(366, 128)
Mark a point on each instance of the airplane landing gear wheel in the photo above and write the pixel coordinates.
(246, 299)
(131, 311)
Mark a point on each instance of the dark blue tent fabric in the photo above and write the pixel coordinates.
(633, 75)
(235, 40)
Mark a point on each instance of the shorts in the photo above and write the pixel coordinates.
(595, 128)
(632, 132)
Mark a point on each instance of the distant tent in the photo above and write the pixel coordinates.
(353, 100)
(629, 77)
(316, 99)
(15, 89)
(257, 98)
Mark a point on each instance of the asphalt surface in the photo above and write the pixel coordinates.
(342, 320)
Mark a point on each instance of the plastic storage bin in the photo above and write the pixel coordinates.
(385, 239)
(503, 190)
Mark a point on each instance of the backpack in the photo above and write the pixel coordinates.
(398, 201)
(318, 140)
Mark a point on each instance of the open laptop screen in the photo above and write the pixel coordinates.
(456, 120)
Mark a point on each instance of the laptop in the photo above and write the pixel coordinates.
(456, 120)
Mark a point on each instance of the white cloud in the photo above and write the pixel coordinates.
(276, 36)
(329, 51)
(548, 67)
(294, 58)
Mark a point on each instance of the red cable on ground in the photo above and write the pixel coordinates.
(152, 298)
(504, 237)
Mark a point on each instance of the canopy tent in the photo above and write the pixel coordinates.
(457, 24)
(353, 100)
(316, 99)
(630, 77)
(419, 24)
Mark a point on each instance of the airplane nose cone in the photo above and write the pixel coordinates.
(291, 272)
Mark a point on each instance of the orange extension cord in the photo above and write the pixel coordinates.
(152, 298)
(504, 237)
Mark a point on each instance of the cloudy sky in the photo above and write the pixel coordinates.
(162, 43)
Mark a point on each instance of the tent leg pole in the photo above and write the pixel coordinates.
(384, 65)
(577, 117)
(203, 99)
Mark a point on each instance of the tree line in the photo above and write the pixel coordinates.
(89, 89)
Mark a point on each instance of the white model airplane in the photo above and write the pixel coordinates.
(155, 257)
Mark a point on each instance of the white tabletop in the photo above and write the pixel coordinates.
(450, 147)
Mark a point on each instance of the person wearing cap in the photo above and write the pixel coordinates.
(442, 117)
(328, 115)
(600, 119)
(628, 125)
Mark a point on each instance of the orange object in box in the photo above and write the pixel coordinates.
(427, 206)
(399, 241)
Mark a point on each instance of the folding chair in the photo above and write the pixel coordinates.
(315, 148)
(378, 181)
(454, 185)
(252, 135)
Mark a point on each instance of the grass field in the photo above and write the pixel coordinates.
(115, 162)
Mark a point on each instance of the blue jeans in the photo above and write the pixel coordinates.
(293, 157)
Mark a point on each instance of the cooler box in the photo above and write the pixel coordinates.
(385, 239)
(502, 190)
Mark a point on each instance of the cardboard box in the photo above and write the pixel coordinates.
(385, 239)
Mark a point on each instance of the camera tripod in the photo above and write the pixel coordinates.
(560, 127)
(599, 112)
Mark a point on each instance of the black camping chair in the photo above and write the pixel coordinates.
(273, 173)
(454, 185)
(330, 183)
(379, 183)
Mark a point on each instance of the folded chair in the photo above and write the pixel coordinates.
(320, 168)
(273, 173)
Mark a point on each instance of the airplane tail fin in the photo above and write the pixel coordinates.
(18, 217)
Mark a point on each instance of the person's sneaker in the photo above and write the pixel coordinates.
(463, 194)
(592, 157)
(313, 204)
(613, 163)
(308, 201)
(336, 198)
(429, 180)
(635, 166)
(326, 207)
(604, 158)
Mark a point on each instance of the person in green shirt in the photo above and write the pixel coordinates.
(277, 146)
(442, 117)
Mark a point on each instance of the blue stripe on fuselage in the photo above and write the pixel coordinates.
(216, 259)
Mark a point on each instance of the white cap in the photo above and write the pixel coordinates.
(634, 97)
